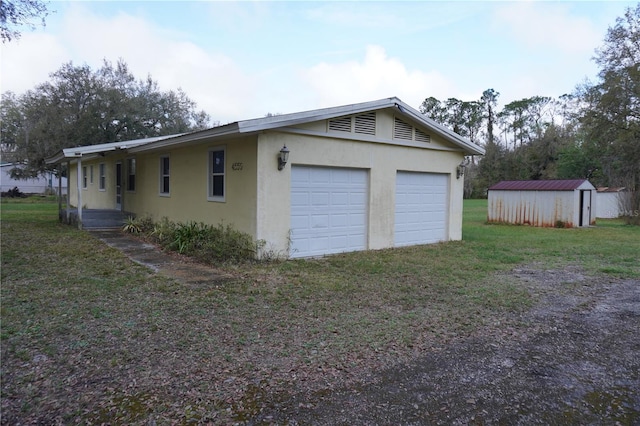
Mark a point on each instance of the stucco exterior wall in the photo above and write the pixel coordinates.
(188, 197)
(380, 159)
(258, 195)
(92, 196)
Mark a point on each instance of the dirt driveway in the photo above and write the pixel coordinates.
(574, 358)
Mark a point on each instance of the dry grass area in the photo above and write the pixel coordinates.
(89, 337)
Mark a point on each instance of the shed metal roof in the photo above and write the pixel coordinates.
(538, 185)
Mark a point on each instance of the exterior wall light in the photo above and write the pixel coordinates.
(461, 168)
(283, 157)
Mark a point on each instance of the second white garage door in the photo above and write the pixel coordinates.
(421, 208)
(328, 210)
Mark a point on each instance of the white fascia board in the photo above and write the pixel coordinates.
(287, 120)
(215, 132)
(266, 123)
(80, 151)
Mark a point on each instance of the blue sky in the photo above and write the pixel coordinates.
(241, 60)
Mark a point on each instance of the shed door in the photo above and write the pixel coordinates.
(422, 208)
(585, 208)
(328, 210)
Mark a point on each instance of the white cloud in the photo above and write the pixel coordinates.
(354, 15)
(210, 78)
(547, 25)
(29, 60)
(377, 76)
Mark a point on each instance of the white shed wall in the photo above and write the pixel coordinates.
(37, 185)
(609, 204)
(536, 208)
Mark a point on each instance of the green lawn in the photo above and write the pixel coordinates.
(88, 336)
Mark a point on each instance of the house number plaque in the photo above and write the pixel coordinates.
(237, 166)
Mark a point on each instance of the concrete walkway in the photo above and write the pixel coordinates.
(169, 264)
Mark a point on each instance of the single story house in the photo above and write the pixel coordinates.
(612, 202)
(363, 176)
(548, 203)
(47, 184)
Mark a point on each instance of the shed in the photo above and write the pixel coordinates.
(354, 177)
(612, 202)
(43, 184)
(547, 203)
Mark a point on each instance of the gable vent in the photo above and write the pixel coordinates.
(402, 130)
(340, 124)
(422, 136)
(366, 123)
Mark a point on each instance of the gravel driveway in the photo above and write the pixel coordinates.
(574, 358)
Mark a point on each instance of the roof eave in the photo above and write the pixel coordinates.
(226, 130)
(93, 150)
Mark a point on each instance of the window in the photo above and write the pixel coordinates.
(91, 174)
(216, 174)
(131, 174)
(102, 177)
(164, 175)
(84, 177)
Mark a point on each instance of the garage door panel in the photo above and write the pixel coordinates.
(335, 204)
(340, 199)
(421, 208)
(340, 221)
(320, 198)
(357, 223)
(299, 198)
(300, 222)
(319, 221)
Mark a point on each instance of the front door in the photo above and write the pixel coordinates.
(118, 186)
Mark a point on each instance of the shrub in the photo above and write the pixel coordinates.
(162, 231)
(14, 193)
(207, 243)
(132, 225)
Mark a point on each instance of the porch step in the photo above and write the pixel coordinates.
(99, 219)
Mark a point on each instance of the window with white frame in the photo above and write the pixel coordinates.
(102, 176)
(84, 177)
(164, 175)
(131, 174)
(216, 174)
(91, 174)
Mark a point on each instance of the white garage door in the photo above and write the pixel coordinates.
(421, 208)
(328, 210)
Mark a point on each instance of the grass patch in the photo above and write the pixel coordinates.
(78, 318)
